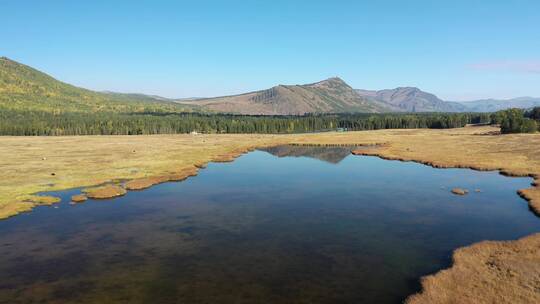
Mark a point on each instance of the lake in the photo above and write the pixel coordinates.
(289, 224)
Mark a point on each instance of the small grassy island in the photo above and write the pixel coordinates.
(176, 140)
(91, 161)
(270, 152)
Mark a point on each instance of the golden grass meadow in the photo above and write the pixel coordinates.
(107, 166)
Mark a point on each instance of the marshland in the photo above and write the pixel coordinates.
(269, 152)
(336, 213)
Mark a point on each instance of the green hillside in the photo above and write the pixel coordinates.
(34, 103)
(24, 88)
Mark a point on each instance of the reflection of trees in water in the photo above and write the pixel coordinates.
(325, 153)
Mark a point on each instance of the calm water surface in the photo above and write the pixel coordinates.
(320, 227)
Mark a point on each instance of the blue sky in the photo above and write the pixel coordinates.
(456, 49)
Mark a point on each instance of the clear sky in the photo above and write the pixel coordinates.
(456, 49)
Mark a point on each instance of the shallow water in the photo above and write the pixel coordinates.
(263, 229)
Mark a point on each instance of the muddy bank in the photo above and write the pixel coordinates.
(487, 272)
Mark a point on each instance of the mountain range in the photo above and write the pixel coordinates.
(410, 99)
(335, 96)
(25, 88)
(332, 95)
(494, 105)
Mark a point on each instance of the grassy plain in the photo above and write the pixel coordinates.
(487, 272)
(30, 165)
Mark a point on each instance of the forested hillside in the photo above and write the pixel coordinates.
(33, 103)
(24, 88)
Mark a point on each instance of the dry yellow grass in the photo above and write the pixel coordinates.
(35, 164)
(146, 182)
(78, 198)
(28, 163)
(105, 191)
(472, 147)
(487, 272)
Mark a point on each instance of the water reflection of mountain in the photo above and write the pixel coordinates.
(328, 154)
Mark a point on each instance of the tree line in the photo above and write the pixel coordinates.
(517, 120)
(14, 122)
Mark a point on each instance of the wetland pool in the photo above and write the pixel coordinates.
(281, 225)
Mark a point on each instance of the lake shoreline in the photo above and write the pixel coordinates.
(474, 265)
(531, 195)
(486, 272)
(402, 145)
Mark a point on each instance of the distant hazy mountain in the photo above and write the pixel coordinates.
(138, 96)
(493, 105)
(328, 96)
(25, 88)
(410, 99)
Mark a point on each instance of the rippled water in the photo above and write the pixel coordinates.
(325, 228)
